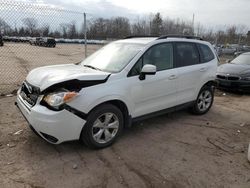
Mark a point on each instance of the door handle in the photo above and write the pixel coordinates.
(172, 77)
(203, 69)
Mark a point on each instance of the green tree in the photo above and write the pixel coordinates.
(156, 24)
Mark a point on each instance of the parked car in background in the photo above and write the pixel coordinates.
(32, 41)
(35, 41)
(38, 41)
(229, 50)
(48, 42)
(235, 74)
(125, 81)
(1, 40)
(241, 50)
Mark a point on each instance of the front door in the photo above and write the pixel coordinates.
(156, 92)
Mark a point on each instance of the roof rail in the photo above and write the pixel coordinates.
(139, 36)
(179, 36)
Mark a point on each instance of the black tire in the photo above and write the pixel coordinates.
(196, 108)
(87, 135)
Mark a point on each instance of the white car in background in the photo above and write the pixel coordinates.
(125, 81)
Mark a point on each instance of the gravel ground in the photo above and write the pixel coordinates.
(175, 150)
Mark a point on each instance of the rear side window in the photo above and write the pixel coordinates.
(186, 54)
(206, 53)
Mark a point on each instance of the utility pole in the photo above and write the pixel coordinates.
(85, 34)
(193, 24)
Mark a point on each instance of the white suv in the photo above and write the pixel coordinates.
(125, 81)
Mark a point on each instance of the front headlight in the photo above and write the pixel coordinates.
(57, 99)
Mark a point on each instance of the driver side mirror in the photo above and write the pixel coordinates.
(147, 70)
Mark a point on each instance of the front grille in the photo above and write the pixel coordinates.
(234, 78)
(29, 93)
(228, 77)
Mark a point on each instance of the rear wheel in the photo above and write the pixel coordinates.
(204, 100)
(104, 125)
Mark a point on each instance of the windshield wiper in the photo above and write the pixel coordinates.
(90, 66)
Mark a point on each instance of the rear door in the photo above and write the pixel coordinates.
(189, 71)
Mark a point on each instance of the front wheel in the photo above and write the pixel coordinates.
(204, 101)
(104, 124)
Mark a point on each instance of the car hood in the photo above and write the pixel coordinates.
(47, 76)
(231, 68)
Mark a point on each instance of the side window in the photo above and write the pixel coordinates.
(186, 54)
(160, 55)
(136, 70)
(206, 53)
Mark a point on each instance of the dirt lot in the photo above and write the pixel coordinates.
(176, 150)
(17, 59)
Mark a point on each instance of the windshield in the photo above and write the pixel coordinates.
(112, 57)
(242, 59)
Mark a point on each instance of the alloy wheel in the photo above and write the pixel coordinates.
(204, 100)
(105, 128)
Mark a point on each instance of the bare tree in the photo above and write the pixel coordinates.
(45, 30)
(4, 26)
(248, 38)
(139, 27)
(64, 30)
(31, 24)
(231, 34)
(72, 33)
(200, 30)
(121, 27)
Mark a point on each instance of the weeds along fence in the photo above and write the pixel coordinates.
(28, 31)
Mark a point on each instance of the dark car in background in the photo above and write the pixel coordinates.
(235, 75)
(46, 42)
(36, 41)
(1, 40)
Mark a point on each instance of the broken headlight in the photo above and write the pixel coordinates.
(57, 99)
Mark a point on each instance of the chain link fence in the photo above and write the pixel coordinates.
(37, 35)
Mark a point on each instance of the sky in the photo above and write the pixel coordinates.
(210, 13)
(207, 12)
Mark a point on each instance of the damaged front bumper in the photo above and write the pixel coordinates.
(53, 126)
